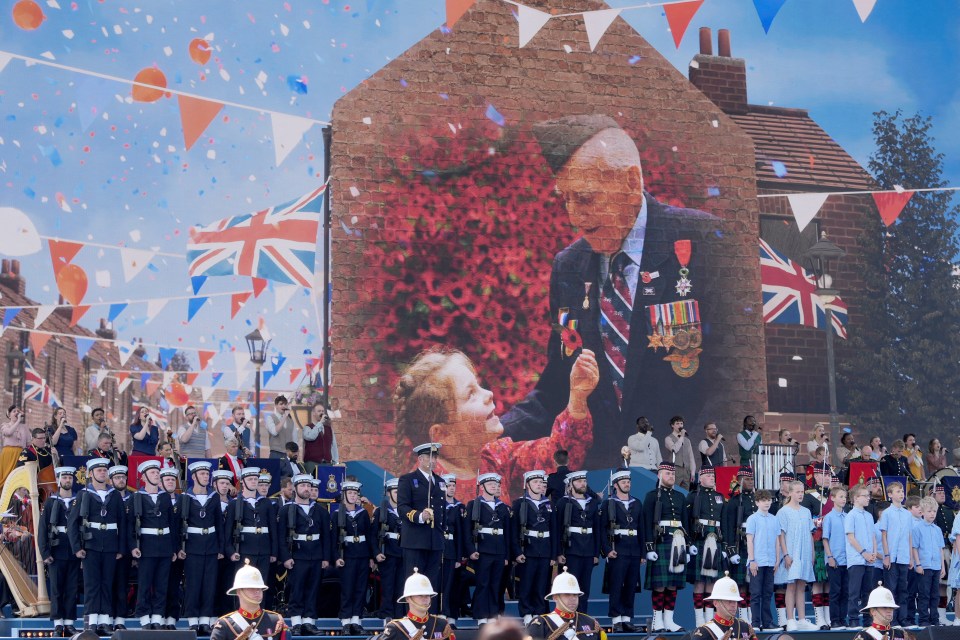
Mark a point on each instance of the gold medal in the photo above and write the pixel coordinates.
(656, 341)
(681, 339)
(685, 363)
(696, 337)
(586, 295)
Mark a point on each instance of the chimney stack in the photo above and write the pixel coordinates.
(106, 330)
(10, 277)
(140, 351)
(722, 78)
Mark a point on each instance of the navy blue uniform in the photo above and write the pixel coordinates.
(534, 536)
(202, 539)
(63, 572)
(422, 543)
(455, 530)
(621, 530)
(576, 525)
(308, 542)
(95, 525)
(252, 532)
(356, 546)
(154, 530)
(388, 531)
(490, 537)
(121, 575)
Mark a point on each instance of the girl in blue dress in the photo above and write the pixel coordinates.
(796, 551)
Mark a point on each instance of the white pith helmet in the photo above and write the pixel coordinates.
(725, 589)
(248, 577)
(880, 597)
(564, 583)
(416, 585)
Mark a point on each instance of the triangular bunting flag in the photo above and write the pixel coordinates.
(43, 312)
(83, 347)
(168, 378)
(194, 305)
(205, 357)
(805, 206)
(101, 376)
(240, 362)
(123, 381)
(4, 59)
(195, 116)
(267, 376)
(134, 260)
(767, 10)
(144, 379)
(152, 386)
(237, 300)
(9, 314)
(38, 341)
(191, 378)
(531, 21)
(276, 362)
(456, 9)
(166, 355)
(282, 295)
(679, 16)
(78, 312)
(62, 252)
(891, 204)
(213, 414)
(116, 310)
(294, 374)
(259, 284)
(197, 282)
(864, 8)
(597, 23)
(155, 306)
(287, 133)
(215, 379)
(232, 395)
(125, 351)
(206, 393)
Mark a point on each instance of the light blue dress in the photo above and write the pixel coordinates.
(953, 571)
(797, 525)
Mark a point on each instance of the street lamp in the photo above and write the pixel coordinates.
(258, 355)
(15, 359)
(820, 254)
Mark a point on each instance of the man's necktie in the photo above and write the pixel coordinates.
(616, 308)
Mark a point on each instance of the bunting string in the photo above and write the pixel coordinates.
(138, 301)
(118, 342)
(101, 245)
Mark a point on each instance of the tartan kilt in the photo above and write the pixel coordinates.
(819, 562)
(695, 566)
(738, 572)
(658, 572)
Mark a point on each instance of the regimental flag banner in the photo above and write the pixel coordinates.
(727, 480)
(888, 480)
(36, 388)
(860, 472)
(789, 294)
(951, 487)
(278, 243)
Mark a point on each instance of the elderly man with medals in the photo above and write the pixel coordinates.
(250, 621)
(565, 621)
(725, 624)
(882, 608)
(419, 623)
(703, 512)
(664, 532)
(622, 545)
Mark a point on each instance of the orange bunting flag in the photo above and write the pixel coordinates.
(456, 9)
(38, 341)
(62, 252)
(195, 116)
(890, 204)
(78, 312)
(153, 385)
(237, 300)
(294, 374)
(205, 357)
(679, 15)
(192, 377)
(259, 284)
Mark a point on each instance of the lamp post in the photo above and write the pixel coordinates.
(15, 360)
(258, 355)
(820, 254)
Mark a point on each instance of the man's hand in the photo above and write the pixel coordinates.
(273, 559)
(611, 555)
(340, 563)
(426, 515)
(325, 564)
(561, 559)
(693, 550)
(219, 556)
(870, 557)
(584, 376)
(754, 569)
(521, 559)
(918, 569)
(886, 562)
(182, 555)
(832, 562)
(652, 556)
(48, 560)
(81, 554)
(289, 563)
(381, 557)
(135, 553)
(475, 556)
(235, 557)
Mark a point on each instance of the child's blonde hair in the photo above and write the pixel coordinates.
(790, 487)
(929, 504)
(858, 490)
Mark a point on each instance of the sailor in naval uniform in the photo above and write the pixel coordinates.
(565, 620)
(249, 622)
(882, 608)
(725, 623)
(419, 623)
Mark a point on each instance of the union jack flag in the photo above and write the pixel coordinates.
(789, 294)
(278, 243)
(36, 388)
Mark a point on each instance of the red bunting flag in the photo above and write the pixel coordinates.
(78, 312)
(195, 116)
(259, 284)
(679, 15)
(62, 252)
(38, 341)
(294, 374)
(237, 300)
(890, 204)
(456, 9)
(205, 357)
(153, 385)
(191, 378)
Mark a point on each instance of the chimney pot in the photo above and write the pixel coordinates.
(706, 41)
(723, 43)
(6, 266)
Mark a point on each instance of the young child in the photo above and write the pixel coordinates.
(878, 563)
(953, 579)
(439, 399)
(928, 562)
(895, 526)
(796, 548)
(861, 554)
(912, 505)
(835, 553)
(763, 532)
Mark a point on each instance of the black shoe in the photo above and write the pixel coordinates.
(309, 629)
(120, 627)
(358, 630)
(452, 623)
(59, 631)
(629, 627)
(618, 627)
(111, 628)
(69, 630)
(169, 627)
(347, 630)
(297, 630)
(101, 631)
(204, 630)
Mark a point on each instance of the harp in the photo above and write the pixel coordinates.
(31, 597)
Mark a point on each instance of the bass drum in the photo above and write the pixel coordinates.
(937, 478)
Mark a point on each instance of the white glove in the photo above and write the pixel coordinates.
(724, 553)
(652, 556)
(693, 550)
(735, 559)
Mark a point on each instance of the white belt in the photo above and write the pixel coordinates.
(709, 523)
(258, 530)
(625, 532)
(307, 537)
(670, 523)
(60, 529)
(448, 536)
(392, 535)
(492, 532)
(355, 539)
(538, 534)
(155, 532)
(103, 526)
(580, 529)
(201, 530)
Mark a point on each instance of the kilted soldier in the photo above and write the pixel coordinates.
(170, 482)
(882, 608)
(664, 533)
(733, 525)
(355, 551)
(223, 485)
(304, 554)
(420, 503)
(706, 541)
(201, 547)
(944, 520)
(815, 499)
(622, 544)
(576, 524)
(418, 623)
(121, 576)
(488, 545)
(533, 544)
(63, 567)
(781, 496)
(249, 621)
(725, 623)
(151, 541)
(453, 563)
(565, 621)
(386, 522)
(251, 526)
(94, 526)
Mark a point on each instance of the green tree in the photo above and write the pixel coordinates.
(905, 366)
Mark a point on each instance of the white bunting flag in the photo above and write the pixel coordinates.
(206, 393)
(125, 350)
(531, 21)
(597, 23)
(4, 59)
(168, 378)
(134, 260)
(213, 414)
(864, 8)
(43, 312)
(805, 206)
(123, 385)
(240, 361)
(101, 376)
(287, 133)
(282, 295)
(155, 306)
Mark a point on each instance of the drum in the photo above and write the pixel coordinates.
(946, 472)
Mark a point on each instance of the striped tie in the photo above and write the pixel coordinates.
(616, 307)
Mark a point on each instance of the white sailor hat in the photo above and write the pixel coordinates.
(169, 471)
(264, 478)
(426, 447)
(65, 471)
(222, 474)
(200, 465)
(93, 463)
(449, 477)
(246, 472)
(146, 465)
(118, 470)
(348, 485)
(575, 475)
(303, 478)
(536, 474)
(488, 477)
(315, 482)
(392, 483)
(623, 474)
